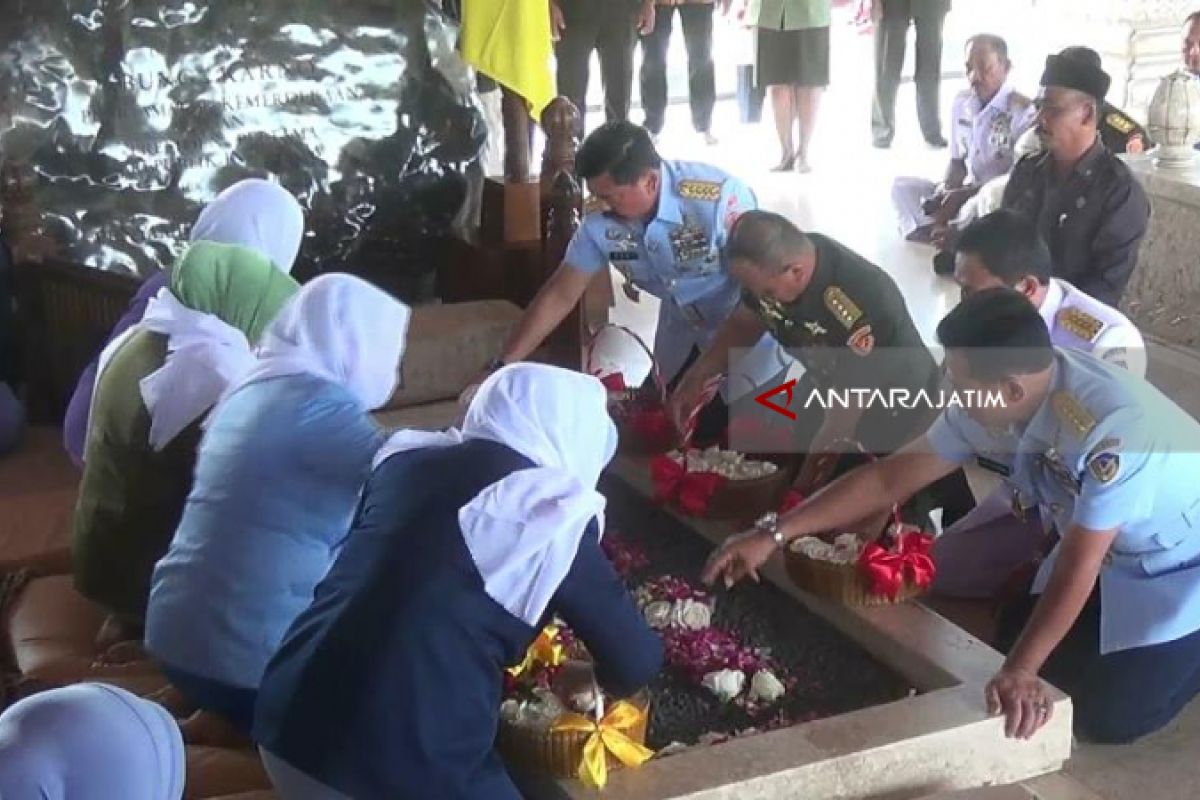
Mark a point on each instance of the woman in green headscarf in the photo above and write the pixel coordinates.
(156, 384)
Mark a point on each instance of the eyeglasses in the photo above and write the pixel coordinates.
(1054, 109)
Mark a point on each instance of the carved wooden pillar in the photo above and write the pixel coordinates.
(562, 213)
(517, 142)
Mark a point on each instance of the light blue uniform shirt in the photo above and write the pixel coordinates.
(1107, 450)
(679, 258)
(278, 478)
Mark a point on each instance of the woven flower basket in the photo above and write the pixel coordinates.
(559, 753)
(640, 416)
(844, 583)
(747, 500)
(841, 583)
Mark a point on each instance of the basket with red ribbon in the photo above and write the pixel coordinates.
(640, 414)
(717, 483)
(861, 568)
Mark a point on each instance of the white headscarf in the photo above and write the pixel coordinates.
(256, 214)
(523, 531)
(204, 353)
(90, 742)
(340, 328)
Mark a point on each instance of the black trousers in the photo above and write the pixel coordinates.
(1118, 697)
(697, 21)
(609, 28)
(891, 34)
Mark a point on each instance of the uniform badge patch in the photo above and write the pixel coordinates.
(699, 190)
(842, 307)
(1105, 466)
(1071, 412)
(1120, 122)
(815, 328)
(1080, 323)
(862, 341)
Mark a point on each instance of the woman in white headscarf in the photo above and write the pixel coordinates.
(89, 742)
(389, 685)
(253, 214)
(278, 475)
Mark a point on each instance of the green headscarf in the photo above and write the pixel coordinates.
(237, 285)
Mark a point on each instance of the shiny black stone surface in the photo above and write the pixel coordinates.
(131, 114)
(832, 674)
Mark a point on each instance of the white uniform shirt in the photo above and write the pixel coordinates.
(1081, 322)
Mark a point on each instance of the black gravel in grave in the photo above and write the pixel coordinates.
(834, 676)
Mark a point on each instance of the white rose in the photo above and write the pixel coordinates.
(726, 684)
(510, 711)
(657, 614)
(583, 701)
(691, 614)
(544, 710)
(766, 687)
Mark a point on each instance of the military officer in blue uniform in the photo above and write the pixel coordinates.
(1114, 615)
(978, 554)
(662, 225)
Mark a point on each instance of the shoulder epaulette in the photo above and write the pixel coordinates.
(841, 306)
(1072, 413)
(1079, 322)
(691, 189)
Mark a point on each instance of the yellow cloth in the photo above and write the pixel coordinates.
(610, 735)
(545, 651)
(509, 41)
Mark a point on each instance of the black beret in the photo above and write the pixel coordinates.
(1073, 72)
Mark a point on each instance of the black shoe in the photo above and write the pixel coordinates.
(937, 142)
(943, 263)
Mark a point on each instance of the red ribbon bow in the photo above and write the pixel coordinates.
(614, 381)
(790, 501)
(909, 560)
(691, 491)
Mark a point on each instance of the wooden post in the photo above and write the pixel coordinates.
(516, 137)
(562, 213)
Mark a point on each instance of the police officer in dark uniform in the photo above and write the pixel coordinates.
(1120, 132)
(1084, 201)
(845, 320)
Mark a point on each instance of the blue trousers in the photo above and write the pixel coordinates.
(1119, 697)
(234, 703)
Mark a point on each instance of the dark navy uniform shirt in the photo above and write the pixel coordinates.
(389, 685)
(1093, 220)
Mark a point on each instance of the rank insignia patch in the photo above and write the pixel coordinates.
(699, 190)
(842, 307)
(1080, 323)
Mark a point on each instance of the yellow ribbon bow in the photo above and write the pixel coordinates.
(545, 650)
(609, 735)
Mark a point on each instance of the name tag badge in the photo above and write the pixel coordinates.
(618, 255)
(992, 465)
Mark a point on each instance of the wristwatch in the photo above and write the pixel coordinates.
(768, 523)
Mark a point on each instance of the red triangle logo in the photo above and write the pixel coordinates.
(764, 399)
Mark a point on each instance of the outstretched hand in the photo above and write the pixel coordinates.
(739, 557)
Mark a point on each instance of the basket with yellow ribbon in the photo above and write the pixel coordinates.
(574, 736)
